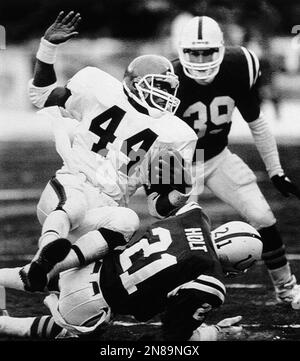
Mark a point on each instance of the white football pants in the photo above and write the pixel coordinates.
(232, 181)
(87, 208)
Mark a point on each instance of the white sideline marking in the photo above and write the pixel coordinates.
(129, 324)
(16, 257)
(244, 285)
(19, 194)
(255, 325)
(293, 257)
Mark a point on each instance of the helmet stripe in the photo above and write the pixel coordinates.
(238, 234)
(200, 26)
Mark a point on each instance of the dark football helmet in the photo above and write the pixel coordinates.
(150, 81)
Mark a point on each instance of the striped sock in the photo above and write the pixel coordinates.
(45, 327)
(273, 255)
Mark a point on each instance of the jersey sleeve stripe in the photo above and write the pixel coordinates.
(208, 288)
(250, 66)
(255, 65)
(188, 207)
(213, 280)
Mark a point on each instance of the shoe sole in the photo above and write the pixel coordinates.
(50, 255)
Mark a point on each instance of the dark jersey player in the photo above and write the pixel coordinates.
(176, 270)
(215, 79)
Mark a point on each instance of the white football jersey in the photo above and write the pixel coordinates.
(115, 141)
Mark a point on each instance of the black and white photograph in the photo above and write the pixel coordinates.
(149, 174)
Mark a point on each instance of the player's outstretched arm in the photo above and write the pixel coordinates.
(43, 88)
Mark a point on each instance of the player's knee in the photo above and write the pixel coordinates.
(262, 219)
(44, 208)
(126, 221)
(76, 210)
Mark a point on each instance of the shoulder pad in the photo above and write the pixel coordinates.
(177, 66)
(252, 64)
(89, 76)
(242, 65)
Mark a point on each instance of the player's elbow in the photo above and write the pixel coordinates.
(39, 95)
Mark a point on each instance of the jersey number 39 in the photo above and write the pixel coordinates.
(218, 112)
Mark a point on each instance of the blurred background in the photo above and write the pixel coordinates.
(112, 32)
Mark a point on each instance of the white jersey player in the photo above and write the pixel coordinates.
(121, 129)
(113, 142)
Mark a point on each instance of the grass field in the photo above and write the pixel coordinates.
(24, 170)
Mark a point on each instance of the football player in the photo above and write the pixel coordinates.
(122, 127)
(214, 79)
(175, 269)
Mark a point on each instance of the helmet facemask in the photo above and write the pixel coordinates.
(230, 270)
(150, 81)
(200, 62)
(158, 91)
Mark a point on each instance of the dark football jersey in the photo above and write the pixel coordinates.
(208, 108)
(175, 254)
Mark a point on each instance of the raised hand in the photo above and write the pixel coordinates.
(64, 28)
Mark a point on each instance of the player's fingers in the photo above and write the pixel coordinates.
(235, 319)
(235, 330)
(59, 17)
(74, 20)
(229, 321)
(75, 25)
(67, 18)
(71, 35)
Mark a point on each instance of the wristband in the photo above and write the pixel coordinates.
(47, 52)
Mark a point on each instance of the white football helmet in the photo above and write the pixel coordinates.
(238, 246)
(151, 82)
(201, 48)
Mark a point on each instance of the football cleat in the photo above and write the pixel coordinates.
(289, 293)
(35, 277)
(201, 48)
(150, 82)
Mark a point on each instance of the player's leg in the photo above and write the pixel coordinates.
(36, 327)
(102, 230)
(61, 208)
(80, 308)
(31, 327)
(234, 183)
